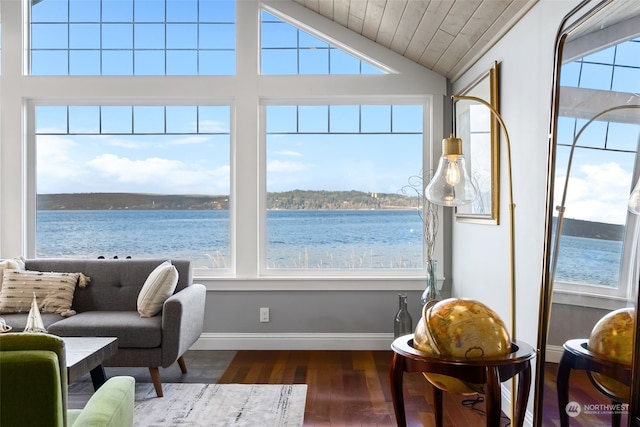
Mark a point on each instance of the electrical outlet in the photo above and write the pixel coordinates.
(264, 314)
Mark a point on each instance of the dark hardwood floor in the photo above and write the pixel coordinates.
(582, 392)
(349, 388)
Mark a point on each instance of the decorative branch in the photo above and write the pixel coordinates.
(428, 211)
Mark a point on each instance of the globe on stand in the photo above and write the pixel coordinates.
(463, 329)
(612, 339)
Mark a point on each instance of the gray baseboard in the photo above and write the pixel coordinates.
(293, 341)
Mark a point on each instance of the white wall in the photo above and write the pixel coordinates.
(480, 252)
(480, 264)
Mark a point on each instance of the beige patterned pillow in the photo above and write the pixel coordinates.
(159, 286)
(54, 291)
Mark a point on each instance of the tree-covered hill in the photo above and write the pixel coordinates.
(297, 199)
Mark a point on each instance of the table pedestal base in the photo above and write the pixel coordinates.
(490, 372)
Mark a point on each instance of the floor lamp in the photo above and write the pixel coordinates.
(451, 186)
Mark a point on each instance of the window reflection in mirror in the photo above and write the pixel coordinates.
(595, 137)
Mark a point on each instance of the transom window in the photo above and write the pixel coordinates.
(132, 37)
(289, 50)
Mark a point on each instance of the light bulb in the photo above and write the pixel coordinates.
(451, 185)
(453, 173)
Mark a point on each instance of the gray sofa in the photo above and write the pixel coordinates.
(107, 307)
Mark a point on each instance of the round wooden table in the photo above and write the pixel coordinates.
(577, 356)
(490, 372)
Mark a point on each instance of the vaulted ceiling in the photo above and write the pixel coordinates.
(446, 36)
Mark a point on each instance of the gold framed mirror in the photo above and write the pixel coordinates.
(479, 131)
(591, 251)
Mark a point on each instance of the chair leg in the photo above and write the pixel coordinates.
(157, 382)
(182, 364)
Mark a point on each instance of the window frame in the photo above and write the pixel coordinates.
(263, 270)
(582, 293)
(31, 167)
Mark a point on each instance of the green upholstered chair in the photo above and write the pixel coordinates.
(33, 387)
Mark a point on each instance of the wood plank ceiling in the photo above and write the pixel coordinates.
(446, 36)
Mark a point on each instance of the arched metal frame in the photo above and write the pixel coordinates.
(573, 22)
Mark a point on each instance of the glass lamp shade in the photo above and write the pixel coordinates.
(451, 185)
(634, 199)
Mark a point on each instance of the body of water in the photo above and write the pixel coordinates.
(591, 261)
(296, 239)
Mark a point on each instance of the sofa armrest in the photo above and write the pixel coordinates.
(110, 406)
(182, 322)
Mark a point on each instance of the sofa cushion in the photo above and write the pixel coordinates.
(18, 321)
(53, 291)
(131, 330)
(159, 286)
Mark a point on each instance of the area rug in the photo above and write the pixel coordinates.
(251, 405)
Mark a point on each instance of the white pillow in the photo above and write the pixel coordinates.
(159, 286)
(11, 264)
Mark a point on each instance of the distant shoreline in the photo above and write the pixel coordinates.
(301, 200)
(289, 200)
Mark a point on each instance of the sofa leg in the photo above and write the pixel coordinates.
(157, 382)
(182, 364)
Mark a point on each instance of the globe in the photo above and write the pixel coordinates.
(612, 338)
(460, 328)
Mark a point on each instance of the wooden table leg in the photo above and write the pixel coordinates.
(437, 405)
(493, 397)
(616, 417)
(562, 385)
(396, 373)
(524, 383)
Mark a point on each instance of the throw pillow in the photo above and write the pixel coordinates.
(14, 264)
(160, 285)
(54, 291)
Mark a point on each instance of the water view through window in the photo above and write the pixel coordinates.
(157, 177)
(592, 248)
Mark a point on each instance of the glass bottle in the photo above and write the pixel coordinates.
(431, 293)
(403, 324)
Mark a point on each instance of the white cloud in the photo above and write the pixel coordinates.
(160, 175)
(53, 158)
(213, 126)
(597, 192)
(290, 153)
(280, 166)
(188, 140)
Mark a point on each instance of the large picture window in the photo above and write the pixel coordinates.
(138, 181)
(334, 175)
